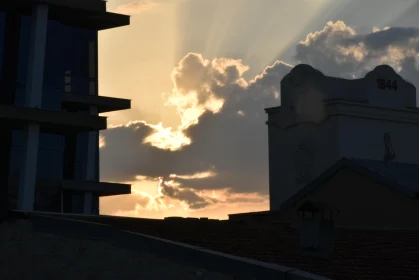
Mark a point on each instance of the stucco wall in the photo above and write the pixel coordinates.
(363, 202)
(364, 138)
(309, 147)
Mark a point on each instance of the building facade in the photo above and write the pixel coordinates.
(323, 119)
(50, 104)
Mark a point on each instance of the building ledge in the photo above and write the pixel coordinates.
(95, 20)
(98, 188)
(104, 104)
(52, 121)
(95, 5)
(88, 14)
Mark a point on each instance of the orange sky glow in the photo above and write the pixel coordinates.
(169, 60)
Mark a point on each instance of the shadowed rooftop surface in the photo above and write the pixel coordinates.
(360, 253)
(53, 256)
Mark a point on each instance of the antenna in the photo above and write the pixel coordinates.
(389, 152)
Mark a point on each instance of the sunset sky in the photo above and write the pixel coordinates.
(200, 73)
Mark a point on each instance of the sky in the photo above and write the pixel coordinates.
(200, 73)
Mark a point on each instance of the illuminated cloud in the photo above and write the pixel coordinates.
(201, 85)
(218, 136)
(219, 152)
(199, 175)
(136, 7)
(102, 142)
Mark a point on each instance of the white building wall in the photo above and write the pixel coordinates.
(364, 138)
(298, 150)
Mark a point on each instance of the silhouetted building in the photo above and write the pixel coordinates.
(49, 104)
(348, 144)
(323, 119)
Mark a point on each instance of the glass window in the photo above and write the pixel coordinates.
(2, 54)
(22, 69)
(76, 50)
(49, 165)
(54, 68)
(78, 170)
(81, 156)
(77, 203)
(15, 163)
(73, 202)
(9, 55)
(49, 169)
(95, 205)
(67, 81)
(70, 62)
(51, 141)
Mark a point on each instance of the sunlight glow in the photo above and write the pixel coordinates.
(135, 7)
(200, 175)
(147, 200)
(102, 142)
(167, 139)
(188, 107)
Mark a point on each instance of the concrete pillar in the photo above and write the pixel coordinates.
(92, 139)
(90, 163)
(34, 82)
(91, 149)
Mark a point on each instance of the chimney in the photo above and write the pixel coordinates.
(317, 229)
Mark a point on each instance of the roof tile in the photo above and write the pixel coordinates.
(365, 254)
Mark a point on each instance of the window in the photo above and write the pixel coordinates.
(67, 81)
(93, 67)
(73, 202)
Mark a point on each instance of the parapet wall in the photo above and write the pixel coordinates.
(381, 87)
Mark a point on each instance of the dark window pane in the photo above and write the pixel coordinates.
(2, 33)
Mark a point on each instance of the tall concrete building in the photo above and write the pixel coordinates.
(50, 105)
(323, 119)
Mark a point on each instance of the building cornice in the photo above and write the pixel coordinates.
(349, 109)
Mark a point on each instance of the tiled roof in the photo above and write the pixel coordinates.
(360, 253)
(401, 177)
(403, 173)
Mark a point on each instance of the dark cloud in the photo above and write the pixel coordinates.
(193, 200)
(394, 36)
(230, 142)
(338, 50)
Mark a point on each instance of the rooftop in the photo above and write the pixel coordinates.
(401, 177)
(35, 249)
(405, 174)
(360, 253)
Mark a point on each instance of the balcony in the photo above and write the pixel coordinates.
(94, 5)
(97, 188)
(90, 14)
(51, 121)
(103, 103)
